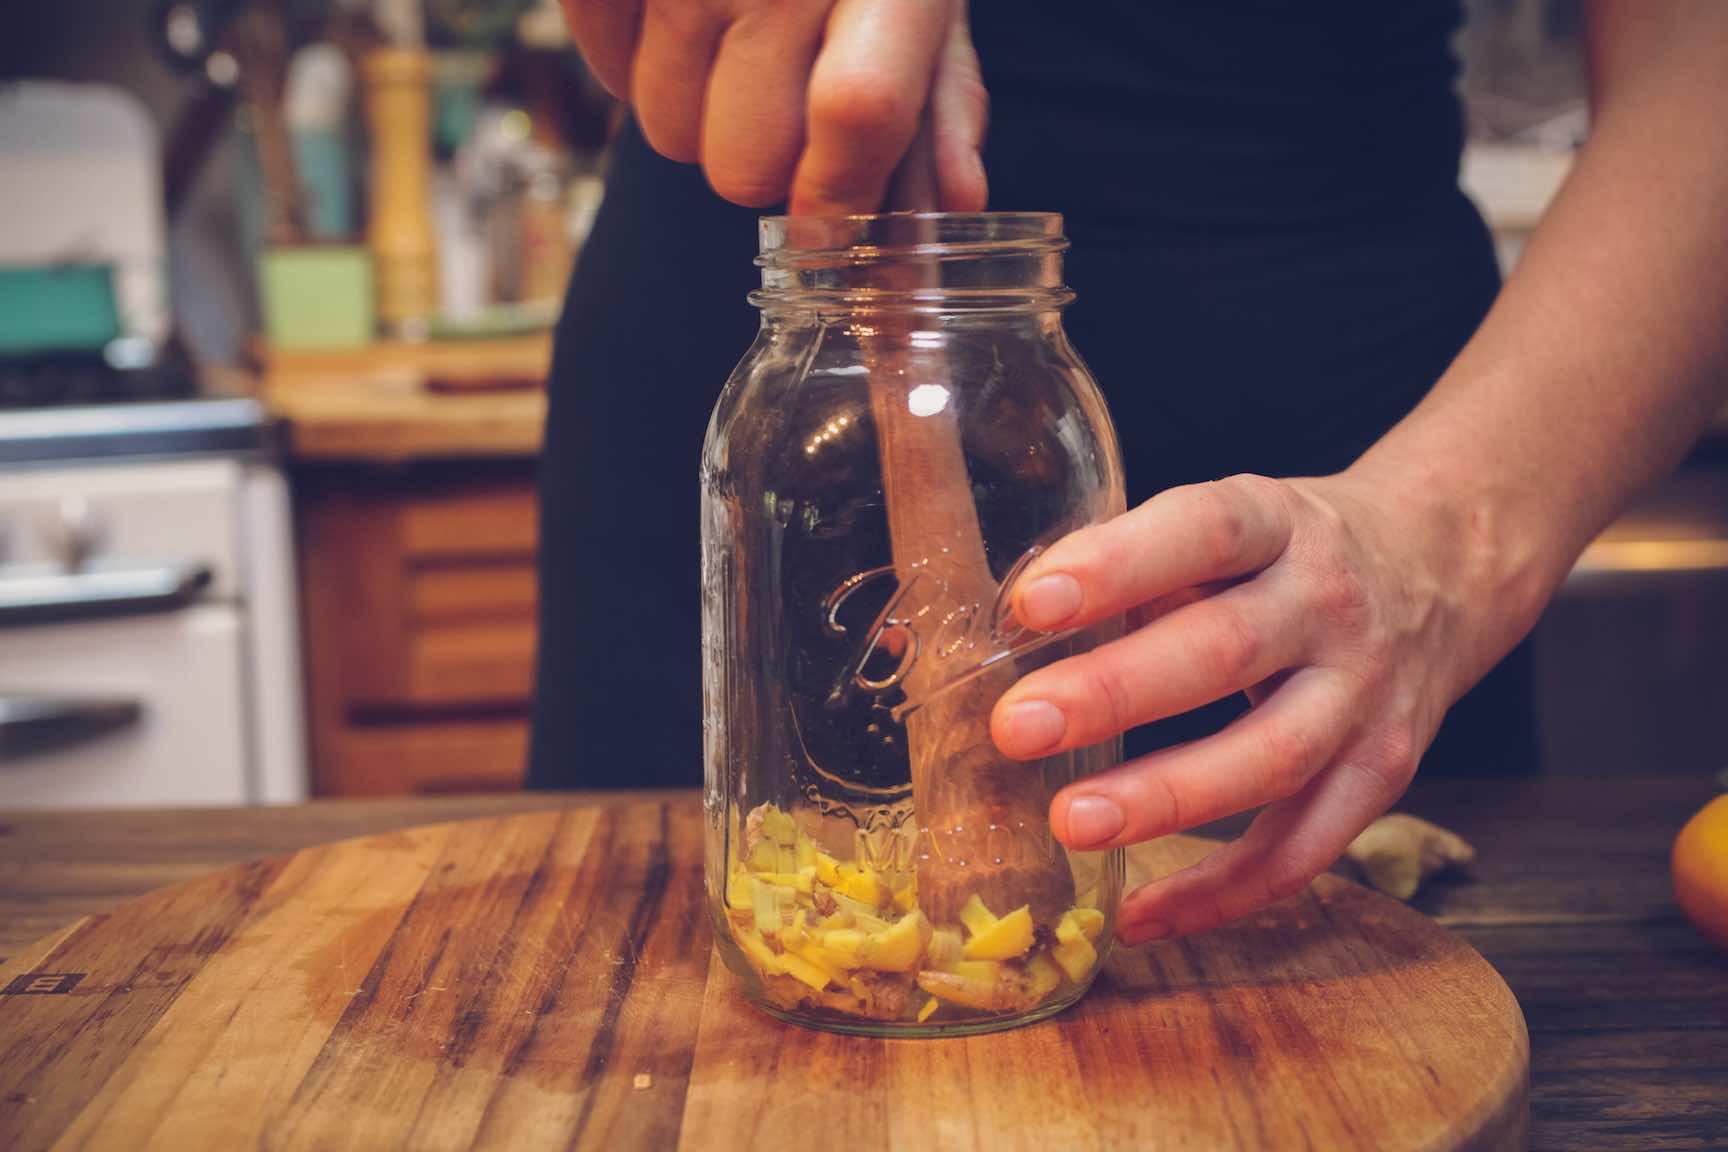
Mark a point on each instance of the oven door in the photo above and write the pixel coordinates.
(114, 711)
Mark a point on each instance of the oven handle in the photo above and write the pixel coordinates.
(46, 595)
(30, 725)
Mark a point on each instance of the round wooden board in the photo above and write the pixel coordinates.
(548, 980)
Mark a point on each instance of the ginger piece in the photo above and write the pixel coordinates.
(874, 997)
(1398, 851)
(1043, 975)
(982, 984)
(944, 948)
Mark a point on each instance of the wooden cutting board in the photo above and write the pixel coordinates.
(547, 979)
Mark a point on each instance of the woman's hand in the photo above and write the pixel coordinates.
(1353, 618)
(814, 101)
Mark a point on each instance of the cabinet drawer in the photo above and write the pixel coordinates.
(472, 592)
(453, 756)
(469, 664)
(496, 521)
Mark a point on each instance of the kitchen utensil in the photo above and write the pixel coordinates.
(962, 787)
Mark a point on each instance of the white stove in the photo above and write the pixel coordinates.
(148, 633)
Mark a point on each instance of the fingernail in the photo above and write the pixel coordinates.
(1049, 600)
(1143, 932)
(1092, 820)
(1032, 726)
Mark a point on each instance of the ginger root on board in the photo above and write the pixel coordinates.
(1397, 852)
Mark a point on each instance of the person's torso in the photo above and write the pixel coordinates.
(1263, 114)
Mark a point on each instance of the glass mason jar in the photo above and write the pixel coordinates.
(909, 429)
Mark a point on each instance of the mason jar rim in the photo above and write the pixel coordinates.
(801, 240)
(931, 262)
(1017, 215)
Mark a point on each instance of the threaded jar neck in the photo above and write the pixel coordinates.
(913, 261)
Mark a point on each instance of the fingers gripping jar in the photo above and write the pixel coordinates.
(909, 429)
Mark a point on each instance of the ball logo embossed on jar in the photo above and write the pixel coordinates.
(962, 635)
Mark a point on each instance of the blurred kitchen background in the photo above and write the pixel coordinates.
(276, 285)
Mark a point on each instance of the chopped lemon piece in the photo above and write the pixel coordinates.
(797, 911)
(862, 884)
(824, 960)
(846, 945)
(827, 869)
(1080, 922)
(1077, 957)
(898, 948)
(803, 971)
(975, 916)
(760, 954)
(739, 893)
(863, 915)
(1007, 938)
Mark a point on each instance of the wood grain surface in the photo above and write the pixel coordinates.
(547, 978)
(394, 402)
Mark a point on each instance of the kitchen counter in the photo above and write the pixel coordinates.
(399, 402)
(1627, 1006)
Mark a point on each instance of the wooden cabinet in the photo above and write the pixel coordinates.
(420, 611)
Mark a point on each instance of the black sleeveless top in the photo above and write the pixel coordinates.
(1273, 264)
(1225, 114)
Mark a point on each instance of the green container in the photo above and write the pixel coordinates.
(318, 296)
(69, 307)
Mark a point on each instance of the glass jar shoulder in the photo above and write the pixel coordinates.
(804, 384)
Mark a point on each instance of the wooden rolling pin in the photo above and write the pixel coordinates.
(983, 819)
